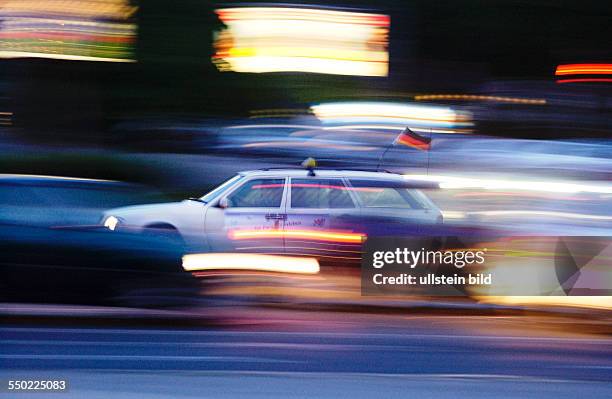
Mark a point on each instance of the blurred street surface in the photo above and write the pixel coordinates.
(322, 354)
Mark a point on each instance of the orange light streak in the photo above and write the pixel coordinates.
(335, 236)
(584, 69)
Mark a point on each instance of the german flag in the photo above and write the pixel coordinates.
(410, 138)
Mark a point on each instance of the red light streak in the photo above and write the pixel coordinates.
(584, 69)
(312, 185)
(329, 235)
(585, 80)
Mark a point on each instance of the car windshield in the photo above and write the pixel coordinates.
(221, 189)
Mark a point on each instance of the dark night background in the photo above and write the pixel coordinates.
(435, 46)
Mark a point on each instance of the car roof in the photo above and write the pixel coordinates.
(321, 173)
(355, 174)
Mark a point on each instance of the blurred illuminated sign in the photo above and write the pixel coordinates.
(284, 39)
(385, 115)
(90, 30)
(584, 73)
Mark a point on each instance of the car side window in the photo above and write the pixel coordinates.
(375, 194)
(320, 193)
(258, 193)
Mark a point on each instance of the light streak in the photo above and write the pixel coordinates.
(583, 69)
(315, 235)
(386, 115)
(475, 97)
(455, 182)
(277, 39)
(253, 262)
(585, 80)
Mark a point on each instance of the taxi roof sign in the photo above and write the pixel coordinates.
(309, 163)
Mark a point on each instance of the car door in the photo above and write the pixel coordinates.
(321, 213)
(253, 219)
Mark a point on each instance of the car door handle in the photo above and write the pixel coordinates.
(279, 216)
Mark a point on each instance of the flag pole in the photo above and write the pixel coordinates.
(383, 155)
(429, 151)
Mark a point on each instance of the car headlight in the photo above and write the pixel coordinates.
(111, 223)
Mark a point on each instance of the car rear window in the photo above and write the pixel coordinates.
(320, 193)
(380, 194)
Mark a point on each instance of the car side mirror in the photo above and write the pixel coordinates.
(224, 203)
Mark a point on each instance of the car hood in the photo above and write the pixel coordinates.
(129, 212)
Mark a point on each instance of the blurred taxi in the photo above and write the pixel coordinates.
(326, 213)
